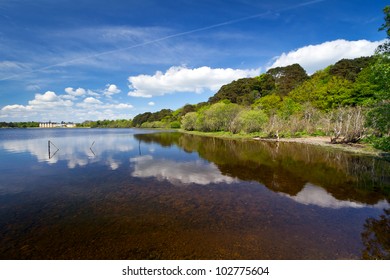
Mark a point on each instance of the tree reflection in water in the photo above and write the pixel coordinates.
(376, 237)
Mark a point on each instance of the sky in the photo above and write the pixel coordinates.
(73, 61)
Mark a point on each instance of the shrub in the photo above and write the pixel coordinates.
(249, 121)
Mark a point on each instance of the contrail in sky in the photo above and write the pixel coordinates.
(164, 38)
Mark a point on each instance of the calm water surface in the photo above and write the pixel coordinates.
(139, 194)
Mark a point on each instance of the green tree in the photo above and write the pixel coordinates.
(243, 91)
(188, 122)
(287, 78)
(288, 108)
(218, 117)
(249, 121)
(379, 115)
(269, 103)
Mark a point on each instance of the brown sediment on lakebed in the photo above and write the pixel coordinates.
(325, 142)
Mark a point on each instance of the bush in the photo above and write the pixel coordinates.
(175, 124)
(382, 143)
(218, 117)
(188, 122)
(249, 121)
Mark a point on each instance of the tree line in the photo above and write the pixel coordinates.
(18, 124)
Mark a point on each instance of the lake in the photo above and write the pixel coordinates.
(146, 194)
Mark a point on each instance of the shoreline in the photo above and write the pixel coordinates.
(323, 141)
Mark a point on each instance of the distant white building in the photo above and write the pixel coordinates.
(56, 125)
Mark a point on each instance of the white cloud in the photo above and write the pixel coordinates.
(92, 100)
(48, 99)
(16, 107)
(92, 93)
(151, 103)
(77, 92)
(182, 79)
(316, 57)
(48, 96)
(67, 96)
(111, 89)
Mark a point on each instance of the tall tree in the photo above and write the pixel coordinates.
(287, 78)
(379, 116)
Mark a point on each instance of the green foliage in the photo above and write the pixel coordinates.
(164, 114)
(269, 103)
(267, 84)
(188, 122)
(324, 91)
(249, 121)
(350, 68)
(155, 124)
(379, 116)
(288, 108)
(243, 91)
(19, 124)
(287, 78)
(219, 116)
(381, 143)
(107, 124)
(186, 109)
(175, 124)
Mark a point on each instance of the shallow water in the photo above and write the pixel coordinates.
(143, 194)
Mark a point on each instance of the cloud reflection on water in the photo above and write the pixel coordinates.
(315, 195)
(76, 151)
(198, 171)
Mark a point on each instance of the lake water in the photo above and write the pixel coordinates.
(144, 194)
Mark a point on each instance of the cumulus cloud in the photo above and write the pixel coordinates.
(48, 96)
(111, 89)
(48, 99)
(316, 57)
(77, 92)
(92, 100)
(151, 103)
(183, 79)
(16, 107)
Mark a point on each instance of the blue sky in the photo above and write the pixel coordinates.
(81, 60)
